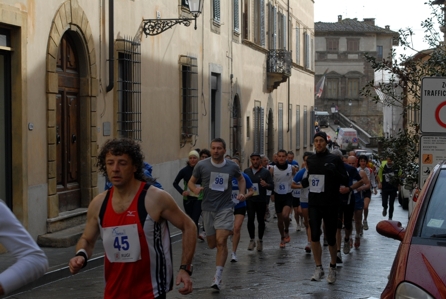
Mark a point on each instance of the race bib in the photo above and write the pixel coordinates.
(121, 243)
(219, 181)
(269, 192)
(192, 193)
(317, 183)
(354, 182)
(296, 193)
(234, 195)
(255, 187)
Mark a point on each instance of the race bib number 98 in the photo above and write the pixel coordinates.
(219, 181)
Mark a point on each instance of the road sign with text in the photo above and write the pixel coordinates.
(433, 105)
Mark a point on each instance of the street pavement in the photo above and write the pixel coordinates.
(273, 273)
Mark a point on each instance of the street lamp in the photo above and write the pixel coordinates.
(157, 26)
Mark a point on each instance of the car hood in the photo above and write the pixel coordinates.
(426, 267)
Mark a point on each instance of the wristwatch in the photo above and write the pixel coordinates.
(188, 268)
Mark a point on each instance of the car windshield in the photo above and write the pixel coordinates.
(434, 223)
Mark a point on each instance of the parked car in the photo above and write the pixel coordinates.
(347, 138)
(419, 267)
(323, 118)
(403, 196)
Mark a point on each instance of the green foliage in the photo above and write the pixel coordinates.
(404, 88)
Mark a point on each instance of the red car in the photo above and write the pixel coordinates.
(419, 268)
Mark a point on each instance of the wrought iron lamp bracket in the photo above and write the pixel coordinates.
(157, 26)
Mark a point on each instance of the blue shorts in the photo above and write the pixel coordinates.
(359, 201)
(304, 205)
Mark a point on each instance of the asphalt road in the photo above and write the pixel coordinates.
(273, 273)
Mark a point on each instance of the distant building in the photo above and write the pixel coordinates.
(340, 49)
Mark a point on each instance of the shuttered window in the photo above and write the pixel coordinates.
(189, 97)
(305, 127)
(259, 130)
(307, 50)
(280, 126)
(297, 127)
(216, 11)
(298, 44)
(259, 22)
(272, 29)
(236, 16)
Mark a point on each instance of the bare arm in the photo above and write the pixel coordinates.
(90, 234)
(191, 184)
(365, 180)
(241, 188)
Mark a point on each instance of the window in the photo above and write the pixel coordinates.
(352, 44)
(297, 44)
(236, 16)
(353, 88)
(307, 49)
(332, 88)
(259, 22)
(280, 126)
(332, 44)
(298, 127)
(305, 127)
(282, 31)
(272, 27)
(5, 40)
(185, 3)
(245, 15)
(189, 96)
(216, 11)
(248, 128)
(379, 52)
(129, 90)
(259, 129)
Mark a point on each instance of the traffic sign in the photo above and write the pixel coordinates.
(433, 105)
(432, 152)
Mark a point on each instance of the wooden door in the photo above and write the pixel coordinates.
(67, 127)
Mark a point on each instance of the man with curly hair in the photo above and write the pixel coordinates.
(132, 219)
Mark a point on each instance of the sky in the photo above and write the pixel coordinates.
(398, 14)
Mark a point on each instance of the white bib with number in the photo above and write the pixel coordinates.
(234, 196)
(121, 243)
(317, 183)
(219, 181)
(192, 193)
(296, 193)
(255, 187)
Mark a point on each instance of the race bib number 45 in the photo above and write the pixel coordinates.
(317, 183)
(121, 243)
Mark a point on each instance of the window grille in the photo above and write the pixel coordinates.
(189, 96)
(280, 126)
(129, 89)
(236, 16)
(259, 130)
(216, 11)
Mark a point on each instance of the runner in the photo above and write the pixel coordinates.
(364, 165)
(216, 174)
(267, 166)
(132, 219)
(326, 173)
(283, 177)
(263, 182)
(239, 210)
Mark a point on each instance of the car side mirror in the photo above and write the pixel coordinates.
(391, 229)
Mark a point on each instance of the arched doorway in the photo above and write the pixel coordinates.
(67, 126)
(270, 137)
(236, 126)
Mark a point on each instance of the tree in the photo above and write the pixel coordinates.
(407, 72)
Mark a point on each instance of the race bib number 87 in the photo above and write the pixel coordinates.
(317, 183)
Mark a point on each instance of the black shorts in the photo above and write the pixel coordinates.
(240, 211)
(367, 193)
(296, 202)
(282, 200)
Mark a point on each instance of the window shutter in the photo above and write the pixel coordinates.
(262, 130)
(217, 11)
(305, 127)
(262, 22)
(298, 45)
(280, 126)
(284, 39)
(270, 25)
(298, 127)
(274, 28)
(236, 16)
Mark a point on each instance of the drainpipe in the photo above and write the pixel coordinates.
(111, 48)
(289, 85)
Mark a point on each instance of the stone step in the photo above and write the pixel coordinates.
(66, 220)
(63, 238)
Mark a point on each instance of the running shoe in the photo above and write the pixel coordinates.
(267, 215)
(357, 242)
(202, 236)
(259, 245)
(365, 225)
(347, 246)
(308, 248)
(325, 242)
(331, 277)
(287, 238)
(216, 284)
(298, 227)
(338, 258)
(282, 243)
(233, 258)
(384, 212)
(275, 215)
(318, 274)
(252, 244)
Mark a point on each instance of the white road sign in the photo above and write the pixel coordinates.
(432, 152)
(433, 105)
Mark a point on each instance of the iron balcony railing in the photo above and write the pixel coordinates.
(279, 62)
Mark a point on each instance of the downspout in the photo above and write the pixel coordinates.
(289, 78)
(111, 48)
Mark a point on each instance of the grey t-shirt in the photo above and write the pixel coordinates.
(217, 183)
